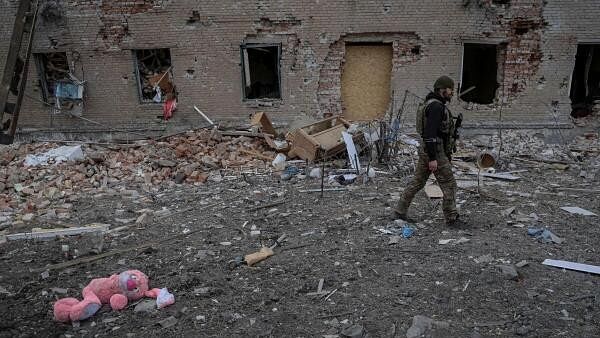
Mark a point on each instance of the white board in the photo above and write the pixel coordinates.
(572, 266)
(578, 211)
(351, 148)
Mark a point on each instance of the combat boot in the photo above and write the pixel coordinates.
(403, 216)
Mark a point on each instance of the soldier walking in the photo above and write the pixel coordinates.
(438, 130)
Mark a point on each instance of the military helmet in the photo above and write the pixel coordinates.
(443, 82)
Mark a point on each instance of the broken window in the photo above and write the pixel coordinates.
(53, 68)
(480, 69)
(261, 73)
(585, 83)
(153, 71)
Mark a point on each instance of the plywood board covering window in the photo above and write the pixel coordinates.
(366, 81)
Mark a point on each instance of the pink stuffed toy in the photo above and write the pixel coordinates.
(116, 290)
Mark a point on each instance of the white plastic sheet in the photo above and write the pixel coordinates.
(352, 154)
(60, 154)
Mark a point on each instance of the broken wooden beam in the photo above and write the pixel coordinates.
(53, 233)
(262, 121)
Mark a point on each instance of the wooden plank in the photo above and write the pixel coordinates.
(330, 138)
(52, 233)
(262, 120)
(304, 146)
(319, 126)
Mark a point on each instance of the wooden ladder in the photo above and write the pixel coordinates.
(14, 77)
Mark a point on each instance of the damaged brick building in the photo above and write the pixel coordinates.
(533, 62)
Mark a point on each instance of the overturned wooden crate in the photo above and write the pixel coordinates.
(322, 139)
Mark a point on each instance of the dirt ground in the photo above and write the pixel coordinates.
(367, 281)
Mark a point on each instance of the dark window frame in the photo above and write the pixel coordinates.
(138, 79)
(40, 62)
(244, 48)
(499, 47)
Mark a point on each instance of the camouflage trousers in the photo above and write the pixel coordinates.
(445, 179)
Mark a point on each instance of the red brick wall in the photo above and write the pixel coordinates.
(205, 37)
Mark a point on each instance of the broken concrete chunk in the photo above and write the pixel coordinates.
(168, 322)
(60, 291)
(231, 317)
(421, 325)
(96, 156)
(509, 271)
(147, 305)
(166, 163)
(354, 331)
(210, 162)
(60, 154)
(453, 241)
(522, 264)
(142, 219)
(484, 259)
(507, 212)
(4, 291)
(394, 240)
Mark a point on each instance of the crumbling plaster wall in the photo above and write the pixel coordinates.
(205, 39)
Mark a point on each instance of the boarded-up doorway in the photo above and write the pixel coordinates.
(366, 81)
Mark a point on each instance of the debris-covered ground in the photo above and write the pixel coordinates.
(180, 214)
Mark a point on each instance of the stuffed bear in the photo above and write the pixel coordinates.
(116, 290)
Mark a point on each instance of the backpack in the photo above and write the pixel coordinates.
(420, 125)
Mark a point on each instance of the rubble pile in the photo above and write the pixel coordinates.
(49, 190)
(524, 144)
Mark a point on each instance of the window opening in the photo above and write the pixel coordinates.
(480, 69)
(261, 71)
(153, 70)
(52, 69)
(585, 83)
